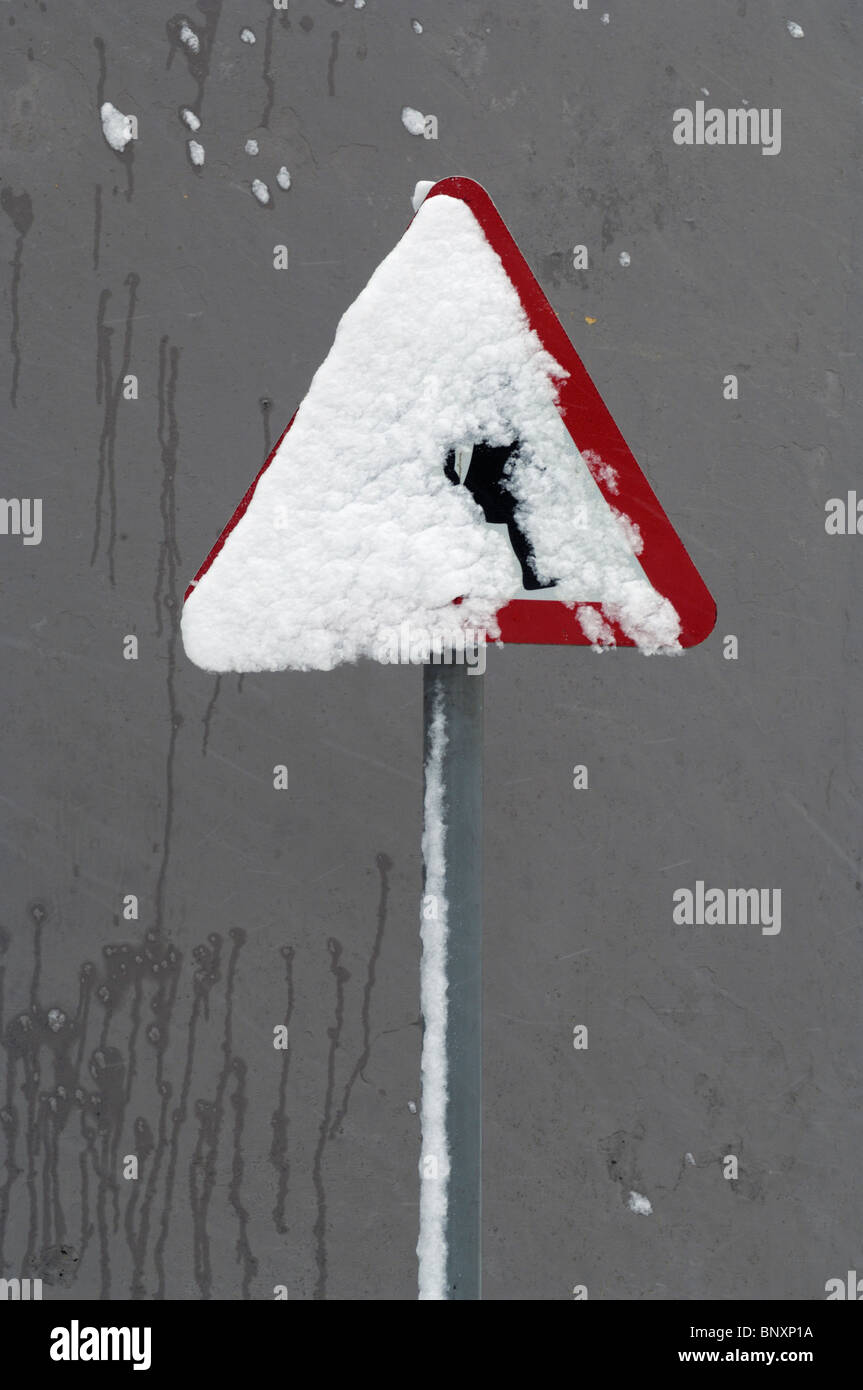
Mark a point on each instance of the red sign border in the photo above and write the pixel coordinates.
(663, 558)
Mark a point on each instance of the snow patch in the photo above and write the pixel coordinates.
(595, 628)
(421, 192)
(260, 190)
(189, 38)
(283, 178)
(354, 528)
(631, 530)
(434, 1153)
(251, 147)
(640, 1205)
(190, 119)
(794, 29)
(413, 120)
(196, 153)
(603, 472)
(116, 128)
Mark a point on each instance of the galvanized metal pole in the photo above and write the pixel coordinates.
(456, 693)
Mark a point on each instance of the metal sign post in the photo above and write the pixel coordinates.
(453, 698)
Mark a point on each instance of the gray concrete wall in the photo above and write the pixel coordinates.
(155, 1037)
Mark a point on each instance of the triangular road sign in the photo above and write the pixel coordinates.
(452, 464)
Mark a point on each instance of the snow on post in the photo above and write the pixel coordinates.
(434, 1156)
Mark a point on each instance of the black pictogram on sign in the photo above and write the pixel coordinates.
(485, 472)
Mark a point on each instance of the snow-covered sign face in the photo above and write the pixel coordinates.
(429, 478)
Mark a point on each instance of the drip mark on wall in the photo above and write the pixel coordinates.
(109, 392)
(208, 715)
(384, 865)
(127, 154)
(97, 224)
(166, 594)
(208, 971)
(18, 207)
(331, 65)
(266, 71)
(203, 1168)
(245, 1257)
(197, 58)
(341, 976)
(279, 1121)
